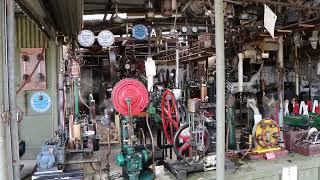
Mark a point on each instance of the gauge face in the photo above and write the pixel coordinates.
(105, 38)
(174, 33)
(194, 29)
(40, 102)
(184, 29)
(86, 38)
(127, 66)
(139, 31)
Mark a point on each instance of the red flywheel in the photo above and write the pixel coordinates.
(133, 90)
(169, 115)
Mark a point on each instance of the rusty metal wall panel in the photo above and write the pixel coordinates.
(28, 34)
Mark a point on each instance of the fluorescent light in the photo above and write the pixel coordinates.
(93, 17)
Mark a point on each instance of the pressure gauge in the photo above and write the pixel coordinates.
(174, 33)
(105, 38)
(194, 29)
(86, 38)
(184, 29)
(140, 31)
(127, 66)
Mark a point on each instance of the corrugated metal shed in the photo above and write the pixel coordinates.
(36, 128)
(53, 16)
(28, 34)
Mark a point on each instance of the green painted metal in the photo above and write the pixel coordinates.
(28, 34)
(153, 114)
(296, 120)
(132, 158)
(36, 128)
(231, 128)
(303, 121)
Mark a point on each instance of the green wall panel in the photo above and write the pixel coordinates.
(36, 128)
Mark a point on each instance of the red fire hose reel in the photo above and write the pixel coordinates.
(169, 115)
(133, 90)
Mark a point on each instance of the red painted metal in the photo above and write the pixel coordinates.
(170, 115)
(296, 107)
(310, 106)
(184, 146)
(133, 90)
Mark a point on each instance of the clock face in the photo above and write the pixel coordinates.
(140, 31)
(184, 29)
(105, 38)
(194, 29)
(86, 38)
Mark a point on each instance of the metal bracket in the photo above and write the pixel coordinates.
(5, 116)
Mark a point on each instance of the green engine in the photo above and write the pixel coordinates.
(302, 121)
(133, 158)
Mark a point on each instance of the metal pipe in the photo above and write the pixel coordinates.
(240, 72)
(61, 100)
(280, 80)
(220, 84)
(152, 141)
(296, 67)
(177, 67)
(12, 87)
(5, 142)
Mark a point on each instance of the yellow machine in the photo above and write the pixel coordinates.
(265, 134)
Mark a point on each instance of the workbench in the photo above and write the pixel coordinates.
(308, 169)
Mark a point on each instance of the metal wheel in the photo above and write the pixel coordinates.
(184, 142)
(169, 115)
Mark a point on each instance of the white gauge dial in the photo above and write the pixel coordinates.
(86, 38)
(105, 38)
(184, 29)
(127, 66)
(194, 29)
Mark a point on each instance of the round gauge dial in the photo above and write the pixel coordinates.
(86, 38)
(174, 33)
(194, 29)
(127, 66)
(140, 31)
(105, 38)
(184, 29)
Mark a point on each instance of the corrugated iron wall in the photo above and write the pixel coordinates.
(28, 34)
(36, 128)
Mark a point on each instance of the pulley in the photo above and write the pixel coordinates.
(186, 141)
(169, 115)
(129, 91)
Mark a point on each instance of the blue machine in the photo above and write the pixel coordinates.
(46, 158)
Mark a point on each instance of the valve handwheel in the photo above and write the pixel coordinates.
(169, 115)
(133, 90)
(184, 142)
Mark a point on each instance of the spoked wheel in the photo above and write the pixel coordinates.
(169, 115)
(183, 142)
